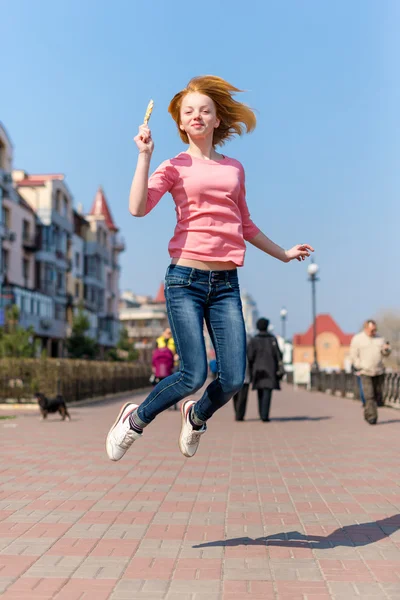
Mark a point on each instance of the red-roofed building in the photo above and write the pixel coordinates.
(100, 208)
(333, 345)
(160, 297)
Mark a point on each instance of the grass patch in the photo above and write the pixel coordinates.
(7, 417)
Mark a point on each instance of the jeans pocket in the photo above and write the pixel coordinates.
(174, 281)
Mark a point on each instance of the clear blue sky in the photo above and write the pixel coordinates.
(322, 166)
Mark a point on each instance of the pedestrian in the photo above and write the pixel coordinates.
(240, 398)
(208, 246)
(165, 340)
(367, 351)
(162, 363)
(266, 366)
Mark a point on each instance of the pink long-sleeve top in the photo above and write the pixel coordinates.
(210, 203)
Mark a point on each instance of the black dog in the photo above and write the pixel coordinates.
(52, 405)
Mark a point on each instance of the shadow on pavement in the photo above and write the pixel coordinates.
(283, 419)
(388, 421)
(360, 534)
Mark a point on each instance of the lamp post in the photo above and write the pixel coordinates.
(312, 276)
(283, 314)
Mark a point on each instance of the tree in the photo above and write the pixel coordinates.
(15, 341)
(124, 349)
(80, 345)
(388, 322)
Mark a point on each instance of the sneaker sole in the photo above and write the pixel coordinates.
(113, 427)
(183, 420)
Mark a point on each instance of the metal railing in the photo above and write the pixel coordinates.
(340, 383)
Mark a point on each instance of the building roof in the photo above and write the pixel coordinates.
(324, 323)
(100, 208)
(38, 179)
(160, 297)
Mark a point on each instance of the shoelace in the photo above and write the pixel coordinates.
(127, 439)
(193, 436)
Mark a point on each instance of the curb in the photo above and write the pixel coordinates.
(32, 406)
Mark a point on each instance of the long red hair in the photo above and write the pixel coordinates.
(235, 117)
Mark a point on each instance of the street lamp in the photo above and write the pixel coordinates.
(283, 314)
(312, 276)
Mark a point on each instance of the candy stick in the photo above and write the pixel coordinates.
(148, 112)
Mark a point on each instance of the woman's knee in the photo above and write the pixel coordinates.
(194, 381)
(231, 385)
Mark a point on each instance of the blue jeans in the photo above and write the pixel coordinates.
(194, 296)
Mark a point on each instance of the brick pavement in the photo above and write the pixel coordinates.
(306, 506)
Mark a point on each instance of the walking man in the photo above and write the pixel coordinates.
(266, 367)
(367, 351)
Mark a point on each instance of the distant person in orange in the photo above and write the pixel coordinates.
(367, 350)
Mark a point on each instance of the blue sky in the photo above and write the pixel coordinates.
(321, 166)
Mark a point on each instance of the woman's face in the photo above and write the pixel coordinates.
(198, 116)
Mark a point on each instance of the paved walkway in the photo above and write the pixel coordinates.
(306, 506)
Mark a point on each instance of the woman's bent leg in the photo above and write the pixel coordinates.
(185, 307)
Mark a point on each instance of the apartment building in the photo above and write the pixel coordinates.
(54, 258)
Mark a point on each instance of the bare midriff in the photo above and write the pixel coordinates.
(205, 266)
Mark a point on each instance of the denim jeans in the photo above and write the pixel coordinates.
(194, 296)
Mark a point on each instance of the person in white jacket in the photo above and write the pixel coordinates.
(367, 351)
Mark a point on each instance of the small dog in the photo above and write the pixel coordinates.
(52, 405)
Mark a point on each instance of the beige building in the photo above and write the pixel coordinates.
(144, 318)
(332, 344)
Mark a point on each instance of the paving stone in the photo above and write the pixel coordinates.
(296, 508)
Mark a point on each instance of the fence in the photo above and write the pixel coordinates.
(74, 379)
(345, 384)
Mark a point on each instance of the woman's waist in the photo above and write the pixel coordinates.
(202, 265)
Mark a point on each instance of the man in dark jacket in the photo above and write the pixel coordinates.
(266, 367)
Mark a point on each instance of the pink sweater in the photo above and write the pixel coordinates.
(210, 202)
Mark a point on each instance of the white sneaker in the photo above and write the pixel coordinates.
(121, 436)
(190, 438)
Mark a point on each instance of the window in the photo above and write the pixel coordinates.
(77, 260)
(6, 217)
(327, 345)
(47, 238)
(5, 259)
(3, 156)
(65, 206)
(25, 271)
(58, 201)
(59, 312)
(77, 289)
(60, 281)
(26, 233)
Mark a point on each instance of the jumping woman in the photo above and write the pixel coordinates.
(201, 283)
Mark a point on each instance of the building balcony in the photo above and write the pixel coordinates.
(29, 243)
(8, 235)
(36, 310)
(144, 332)
(94, 248)
(119, 244)
(47, 288)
